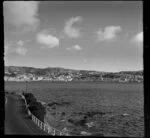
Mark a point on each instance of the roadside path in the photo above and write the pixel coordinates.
(17, 120)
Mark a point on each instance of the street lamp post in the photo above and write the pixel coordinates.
(26, 86)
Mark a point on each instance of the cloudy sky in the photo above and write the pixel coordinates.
(104, 36)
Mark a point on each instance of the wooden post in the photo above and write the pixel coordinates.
(38, 123)
(32, 117)
(26, 86)
(41, 124)
(44, 127)
(48, 130)
(54, 132)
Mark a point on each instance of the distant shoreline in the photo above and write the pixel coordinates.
(76, 82)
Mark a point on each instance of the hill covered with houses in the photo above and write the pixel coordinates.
(19, 73)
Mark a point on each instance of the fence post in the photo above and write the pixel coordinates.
(41, 124)
(54, 132)
(29, 113)
(32, 117)
(36, 121)
(25, 103)
(44, 127)
(48, 129)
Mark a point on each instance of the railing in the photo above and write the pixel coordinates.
(49, 129)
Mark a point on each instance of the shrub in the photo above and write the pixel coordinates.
(38, 110)
(30, 98)
(35, 107)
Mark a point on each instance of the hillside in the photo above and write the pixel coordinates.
(62, 74)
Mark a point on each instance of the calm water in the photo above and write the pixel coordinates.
(115, 99)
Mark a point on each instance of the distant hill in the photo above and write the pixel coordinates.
(140, 72)
(57, 70)
(36, 71)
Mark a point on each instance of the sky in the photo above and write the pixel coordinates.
(87, 35)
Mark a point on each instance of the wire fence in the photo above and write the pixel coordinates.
(49, 129)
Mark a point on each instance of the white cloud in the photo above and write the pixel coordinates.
(6, 49)
(138, 38)
(20, 42)
(109, 33)
(16, 48)
(70, 31)
(48, 40)
(75, 47)
(21, 13)
(21, 50)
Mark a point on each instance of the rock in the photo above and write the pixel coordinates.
(125, 114)
(90, 124)
(85, 133)
(63, 120)
(65, 130)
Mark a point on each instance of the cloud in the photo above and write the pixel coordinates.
(75, 47)
(138, 38)
(21, 13)
(20, 42)
(72, 32)
(109, 33)
(48, 40)
(21, 50)
(16, 48)
(6, 49)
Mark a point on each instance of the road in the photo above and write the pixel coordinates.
(17, 120)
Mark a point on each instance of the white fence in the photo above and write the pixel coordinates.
(49, 129)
